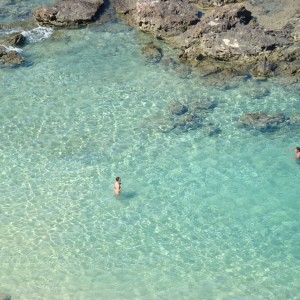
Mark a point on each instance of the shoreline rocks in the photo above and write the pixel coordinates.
(214, 37)
(225, 31)
(11, 56)
(70, 13)
(165, 18)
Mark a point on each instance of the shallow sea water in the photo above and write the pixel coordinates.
(200, 216)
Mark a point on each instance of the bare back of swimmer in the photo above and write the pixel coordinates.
(297, 151)
(118, 186)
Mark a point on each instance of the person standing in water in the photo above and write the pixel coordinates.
(118, 186)
(297, 151)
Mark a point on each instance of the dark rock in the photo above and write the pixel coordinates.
(17, 40)
(190, 116)
(262, 122)
(68, 13)
(229, 16)
(11, 57)
(152, 53)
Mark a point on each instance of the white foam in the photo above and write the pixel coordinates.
(11, 48)
(37, 34)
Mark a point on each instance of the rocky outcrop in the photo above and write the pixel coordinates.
(70, 13)
(165, 18)
(224, 38)
(230, 34)
(226, 31)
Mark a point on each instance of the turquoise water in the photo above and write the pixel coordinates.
(201, 216)
(19, 10)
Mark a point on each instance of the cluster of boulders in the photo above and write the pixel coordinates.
(218, 30)
(190, 115)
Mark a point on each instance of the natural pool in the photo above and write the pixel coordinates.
(200, 217)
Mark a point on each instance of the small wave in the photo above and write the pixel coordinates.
(11, 48)
(37, 34)
(9, 31)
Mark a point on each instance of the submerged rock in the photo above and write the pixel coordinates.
(201, 105)
(68, 13)
(212, 131)
(188, 122)
(177, 108)
(152, 53)
(190, 115)
(262, 122)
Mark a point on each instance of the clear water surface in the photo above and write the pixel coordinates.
(201, 216)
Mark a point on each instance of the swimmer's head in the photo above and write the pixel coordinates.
(297, 149)
(119, 179)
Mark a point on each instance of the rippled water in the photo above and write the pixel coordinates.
(19, 10)
(201, 216)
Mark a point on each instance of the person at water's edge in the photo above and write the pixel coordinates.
(118, 186)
